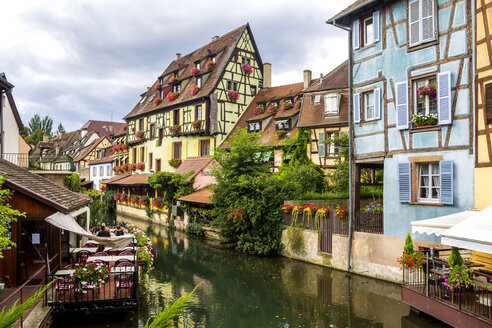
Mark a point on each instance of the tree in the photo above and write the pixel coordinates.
(7, 215)
(408, 247)
(339, 178)
(60, 129)
(45, 124)
(72, 181)
(36, 137)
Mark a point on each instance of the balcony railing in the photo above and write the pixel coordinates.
(38, 162)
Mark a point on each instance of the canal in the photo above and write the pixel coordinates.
(239, 290)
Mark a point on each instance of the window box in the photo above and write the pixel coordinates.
(209, 65)
(157, 86)
(173, 79)
(172, 96)
(260, 109)
(286, 105)
(175, 129)
(139, 135)
(233, 96)
(272, 108)
(195, 71)
(157, 101)
(175, 163)
(247, 69)
(197, 125)
(194, 89)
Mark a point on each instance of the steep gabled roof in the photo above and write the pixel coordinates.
(140, 179)
(102, 128)
(6, 85)
(195, 164)
(41, 189)
(90, 148)
(202, 196)
(340, 18)
(222, 48)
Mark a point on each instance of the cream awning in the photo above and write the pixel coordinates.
(440, 224)
(474, 233)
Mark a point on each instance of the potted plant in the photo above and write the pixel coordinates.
(139, 134)
(233, 96)
(175, 129)
(421, 120)
(411, 259)
(247, 69)
(272, 108)
(173, 79)
(194, 71)
(172, 96)
(157, 86)
(197, 125)
(427, 90)
(157, 101)
(260, 109)
(287, 208)
(286, 106)
(131, 167)
(209, 65)
(145, 257)
(140, 166)
(194, 89)
(90, 276)
(157, 202)
(341, 212)
(175, 163)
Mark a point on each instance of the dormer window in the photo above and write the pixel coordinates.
(317, 99)
(254, 126)
(143, 99)
(199, 82)
(246, 61)
(197, 65)
(150, 99)
(282, 125)
(232, 86)
(332, 104)
(212, 59)
(176, 87)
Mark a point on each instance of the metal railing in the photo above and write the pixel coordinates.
(38, 162)
(431, 282)
(369, 222)
(21, 295)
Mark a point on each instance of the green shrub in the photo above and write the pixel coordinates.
(72, 181)
(195, 228)
(455, 257)
(408, 248)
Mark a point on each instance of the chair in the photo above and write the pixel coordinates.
(90, 245)
(126, 253)
(82, 256)
(113, 252)
(64, 287)
(121, 261)
(123, 281)
(101, 254)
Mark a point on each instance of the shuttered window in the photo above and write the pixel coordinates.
(356, 106)
(404, 182)
(375, 20)
(321, 145)
(488, 102)
(444, 97)
(421, 22)
(446, 168)
(377, 104)
(402, 105)
(355, 34)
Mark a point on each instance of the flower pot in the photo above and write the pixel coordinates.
(342, 215)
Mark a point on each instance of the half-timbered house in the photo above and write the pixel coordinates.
(195, 102)
(411, 107)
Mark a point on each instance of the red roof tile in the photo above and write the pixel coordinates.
(195, 164)
(115, 178)
(202, 196)
(140, 179)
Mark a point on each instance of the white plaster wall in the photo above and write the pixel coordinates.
(11, 139)
(97, 177)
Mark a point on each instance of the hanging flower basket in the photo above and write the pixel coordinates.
(172, 96)
(427, 90)
(175, 129)
(247, 69)
(233, 96)
(309, 210)
(194, 89)
(209, 65)
(341, 212)
(272, 108)
(173, 79)
(260, 109)
(157, 86)
(194, 71)
(197, 125)
(175, 163)
(157, 101)
(139, 134)
(287, 208)
(286, 106)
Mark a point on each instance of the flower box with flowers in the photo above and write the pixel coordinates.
(145, 258)
(287, 208)
(175, 163)
(123, 147)
(131, 167)
(157, 202)
(197, 125)
(116, 197)
(421, 120)
(194, 71)
(286, 106)
(175, 129)
(341, 212)
(157, 86)
(194, 89)
(260, 109)
(173, 79)
(209, 65)
(90, 276)
(114, 148)
(140, 166)
(171, 96)
(297, 209)
(297, 104)
(139, 134)
(272, 108)
(412, 261)
(427, 90)
(133, 199)
(233, 96)
(247, 69)
(309, 210)
(157, 101)
(144, 201)
(123, 198)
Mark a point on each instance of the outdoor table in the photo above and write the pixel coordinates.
(127, 248)
(69, 272)
(78, 249)
(112, 258)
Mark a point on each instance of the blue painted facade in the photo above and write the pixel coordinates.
(391, 60)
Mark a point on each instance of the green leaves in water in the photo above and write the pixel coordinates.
(166, 317)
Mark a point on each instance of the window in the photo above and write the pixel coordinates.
(317, 99)
(142, 154)
(143, 99)
(176, 87)
(368, 105)
(197, 65)
(152, 131)
(246, 60)
(331, 104)
(108, 170)
(151, 160)
(253, 90)
(254, 126)
(157, 165)
(488, 102)
(101, 170)
(94, 171)
(368, 32)
(198, 112)
(233, 59)
(428, 182)
(234, 86)
(176, 117)
(160, 135)
(199, 82)
(213, 59)
(134, 157)
(282, 125)
(141, 124)
(421, 21)
(427, 104)
(204, 147)
(177, 150)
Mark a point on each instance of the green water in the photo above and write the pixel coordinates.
(239, 290)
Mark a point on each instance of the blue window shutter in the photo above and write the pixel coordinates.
(321, 145)
(446, 183)
(355, 34)
(377, 103)
(414, 22)
(356, 106)
(444, 97)
(405, 182)
(375, 24)
(402, 105)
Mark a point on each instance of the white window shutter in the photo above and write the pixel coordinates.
(356, 106)
(427, 20)
(444, 97)
(355, 34)
(402, 105)
(321, 145)
(377, 103)
(446, 183)
(404, 182)
(414, 22)
(375, 24)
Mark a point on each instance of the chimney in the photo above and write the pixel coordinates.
(215, 38)
(46, 137)
(110, 128)
(307, 78)
(178, 55)
(267, 75)
(321, 78)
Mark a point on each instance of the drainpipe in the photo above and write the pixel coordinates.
(1, 122)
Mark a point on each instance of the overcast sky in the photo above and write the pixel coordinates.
(81, 60)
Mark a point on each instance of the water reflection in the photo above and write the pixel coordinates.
(239, 290)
